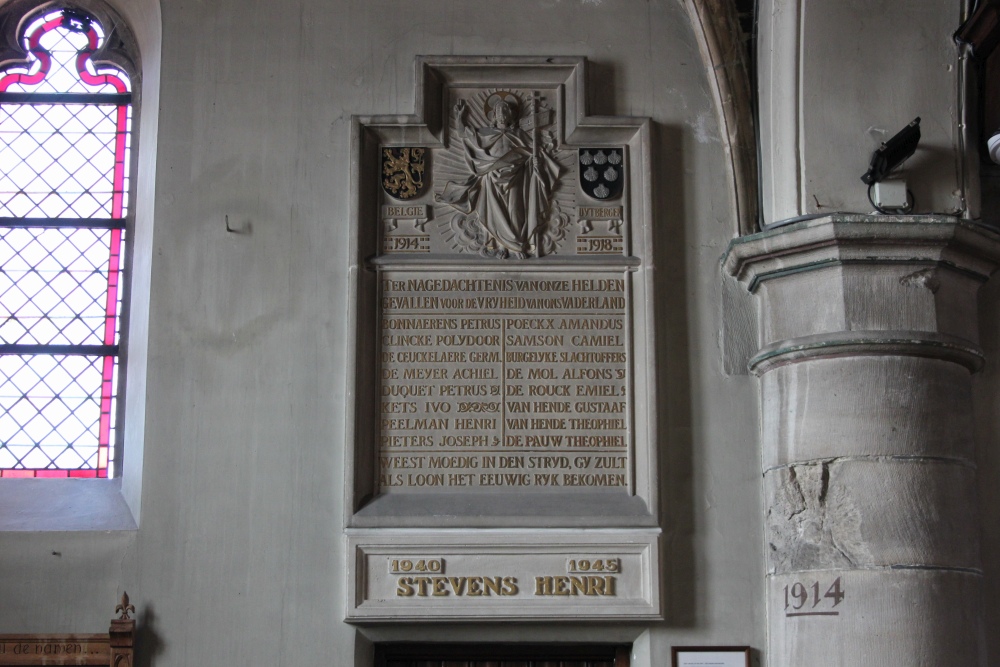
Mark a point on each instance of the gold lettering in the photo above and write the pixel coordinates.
(494, 584)
(474, 374)
(406, 390)
(499, 378)
(550, 406)
(453, 462)
(600, 390)
(534, 341)
(591, 479)
(404, 587)
(588, 586)
(401, 461)
(505, 479)
(596, 341)
(476, 424)
(474, 586)
(464, 390)
(407, 441)
(394, 407)
(463, 340)
(421, 479)
(465, 440)
(414, 424)
(421, 583)
(425, 374)
(604, 441)
(599, 212)
(418, 323)
(548, 390)
(596, 424)
(602, 406)
(458, 584)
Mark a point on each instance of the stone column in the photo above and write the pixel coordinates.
(868, 336)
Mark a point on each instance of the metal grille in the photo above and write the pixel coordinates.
(51, 419)
(63, 158)
(64, 150)
(53, 287)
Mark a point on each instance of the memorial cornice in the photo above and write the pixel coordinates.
(452, 263)
(842, 239)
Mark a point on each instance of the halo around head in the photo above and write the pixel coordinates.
(501, 97)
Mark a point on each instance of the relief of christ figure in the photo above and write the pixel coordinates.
(511, 179)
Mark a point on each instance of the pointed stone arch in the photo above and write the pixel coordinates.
(717, 29)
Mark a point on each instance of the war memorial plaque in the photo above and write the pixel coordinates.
(503, 381)
(502, 378)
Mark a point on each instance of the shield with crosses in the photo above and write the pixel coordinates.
(602, 172)
(403, 172)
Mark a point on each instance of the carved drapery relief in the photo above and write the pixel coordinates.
(505, 205)
(503, 183)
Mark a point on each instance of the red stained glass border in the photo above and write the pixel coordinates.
(108, 388)
(82, 473)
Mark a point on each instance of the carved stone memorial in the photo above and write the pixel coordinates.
(501, 385)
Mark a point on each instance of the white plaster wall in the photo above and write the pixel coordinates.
(839, 77)
(238, 558)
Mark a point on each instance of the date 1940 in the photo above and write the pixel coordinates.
(404, 565)
(805, 599)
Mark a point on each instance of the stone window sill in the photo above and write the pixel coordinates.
(42, 505)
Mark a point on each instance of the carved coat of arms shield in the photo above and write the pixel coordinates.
(602, 172)
(403, 172)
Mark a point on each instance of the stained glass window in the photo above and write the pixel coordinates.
(65, 124)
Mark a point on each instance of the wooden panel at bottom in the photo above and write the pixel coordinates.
(54, 649)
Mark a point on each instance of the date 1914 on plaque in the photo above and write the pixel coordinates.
(798, 597)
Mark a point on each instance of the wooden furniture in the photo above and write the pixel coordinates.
(113, 649)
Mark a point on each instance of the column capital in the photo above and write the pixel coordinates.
(841, 238)
(850, 285)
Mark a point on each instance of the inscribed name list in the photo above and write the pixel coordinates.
(504, 381)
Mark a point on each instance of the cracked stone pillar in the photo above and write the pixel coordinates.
(868, 336)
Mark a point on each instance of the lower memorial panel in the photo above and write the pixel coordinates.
(497, 575)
